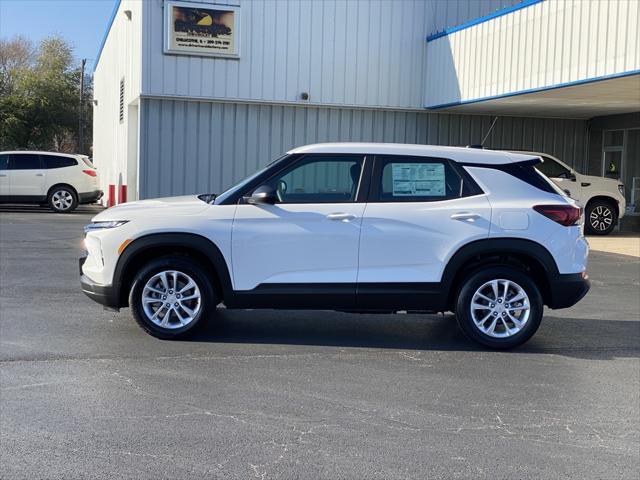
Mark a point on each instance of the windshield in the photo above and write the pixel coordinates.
(227, 193)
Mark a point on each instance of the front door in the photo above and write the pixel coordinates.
(27, 177)
(419, 212)
(306, 245)
(4, 175)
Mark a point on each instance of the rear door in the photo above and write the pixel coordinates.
(62, 169)
(420, 211)
(27, 177)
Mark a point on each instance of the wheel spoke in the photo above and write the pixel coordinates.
(154, 290)
(484, 297)
(165, 319)
(479, 306)
(188, 286)
(190, 312)
(494, 287)
(492, 327)
(515, 320)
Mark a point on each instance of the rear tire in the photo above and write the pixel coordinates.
(62, 200)
(600, 218)
(171, 297)
(502, 317)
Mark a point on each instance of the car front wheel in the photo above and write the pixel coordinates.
(600, 218)
(171, 296)
(499, 307)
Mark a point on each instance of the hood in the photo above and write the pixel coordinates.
(170, 206)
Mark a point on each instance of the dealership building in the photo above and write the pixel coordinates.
(190, 97)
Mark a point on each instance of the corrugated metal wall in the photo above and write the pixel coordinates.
(194, 147)
(364, 53)
(451, 13)
(550, 43)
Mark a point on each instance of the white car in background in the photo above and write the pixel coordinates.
(63, 181)
(602, 198)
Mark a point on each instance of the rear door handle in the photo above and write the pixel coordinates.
(39, 174)
(465, 216)
(340, 216)
(3, 174)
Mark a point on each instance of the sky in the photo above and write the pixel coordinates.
(81, 22)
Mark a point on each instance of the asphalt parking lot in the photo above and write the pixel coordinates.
(85, 393)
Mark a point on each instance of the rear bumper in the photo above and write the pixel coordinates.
(568, 289)
(105, 295)
(90, 197)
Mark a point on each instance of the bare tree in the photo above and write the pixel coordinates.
(16, 55)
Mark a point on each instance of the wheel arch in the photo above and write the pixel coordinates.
(519, 253)
(145, 248)
(62, 184)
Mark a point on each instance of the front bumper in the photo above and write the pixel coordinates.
(105, 295)
(90, 197)
(568, 289)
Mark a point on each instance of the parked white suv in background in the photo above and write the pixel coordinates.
(602, 198)
(351, 227)
(58, 179)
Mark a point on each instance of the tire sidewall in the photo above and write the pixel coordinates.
(592, 231)
(74, 202)
(474, 281)
(181, 264)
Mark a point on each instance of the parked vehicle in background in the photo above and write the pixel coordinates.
(602, 198)
(351, 227)
(63, 181)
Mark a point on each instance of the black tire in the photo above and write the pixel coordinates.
(469, 287)
(185, 265)
(62, 199)
(600, 217)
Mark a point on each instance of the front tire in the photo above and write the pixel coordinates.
(171, 296)
(600, 218)
(62, 200)
(499, 307)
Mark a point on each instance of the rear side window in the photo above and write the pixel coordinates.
(25, 161)
(416, 179)
(4, 162)
(87, 161)
(527, 172)
(51, 161)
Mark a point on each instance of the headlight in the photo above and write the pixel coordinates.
(102, 225)
(621, 189)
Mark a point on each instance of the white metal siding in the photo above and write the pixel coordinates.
(451, 13)
(197, 147)
(365, 53)
(120, 58)
(550, 43)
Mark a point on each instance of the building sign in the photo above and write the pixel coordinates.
(201, 29)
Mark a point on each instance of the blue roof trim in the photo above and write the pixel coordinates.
(486, 18)
(539, 89)
(106, 33)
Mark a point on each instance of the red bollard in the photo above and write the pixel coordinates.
(122, 194)
(111, 199)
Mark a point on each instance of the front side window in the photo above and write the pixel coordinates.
(51, 161)
(4, 162)
(25, 161)
(417, 180)
(553, 169)
(319, 179)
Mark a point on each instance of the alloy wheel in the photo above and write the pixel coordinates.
(171, 299)
(500, 308)
(62, 200)
(601, 218)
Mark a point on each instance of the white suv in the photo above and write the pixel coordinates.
(602, 198)
(351, 227)
(60, 180)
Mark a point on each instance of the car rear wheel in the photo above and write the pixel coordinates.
(171, 296)
(499, 307)
(62, 200)
(600, 218)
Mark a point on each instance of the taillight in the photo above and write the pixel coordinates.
(566, 215)
(91, 173)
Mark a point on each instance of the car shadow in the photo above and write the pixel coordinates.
(24, 208)
(571, 337)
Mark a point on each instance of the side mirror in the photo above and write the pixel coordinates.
(264, 194)
(572, 177)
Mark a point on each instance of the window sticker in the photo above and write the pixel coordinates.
(418, 179)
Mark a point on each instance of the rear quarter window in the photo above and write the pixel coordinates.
(52, 161)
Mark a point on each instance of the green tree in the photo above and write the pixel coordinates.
(39, 96)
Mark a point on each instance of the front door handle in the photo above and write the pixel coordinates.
(340, 216)
(3, 174)
(39, 174)
(465, 216)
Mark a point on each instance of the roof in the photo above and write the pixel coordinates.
(458, 154)
(41, 152)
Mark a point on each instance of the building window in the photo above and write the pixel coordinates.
(122, 100)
